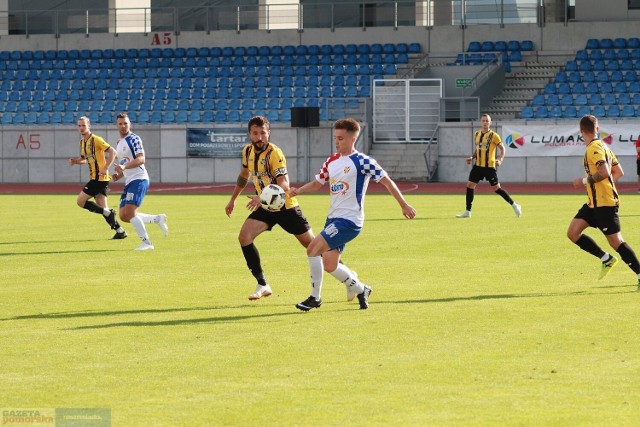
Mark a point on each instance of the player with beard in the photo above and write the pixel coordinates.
(265, 163)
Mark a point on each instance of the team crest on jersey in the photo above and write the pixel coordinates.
(339, 187)
(346, 169)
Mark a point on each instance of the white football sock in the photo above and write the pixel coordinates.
(106, 212)
(344, 275)
(138, 225)
(147, 218)
(317, 272)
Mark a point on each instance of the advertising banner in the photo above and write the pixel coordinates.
(218, 142)
(565, 140)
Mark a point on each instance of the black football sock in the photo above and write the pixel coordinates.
(504, 195)
(252, 256)
(629, 257)
(587, 244)
(469, 198)
(92, 207)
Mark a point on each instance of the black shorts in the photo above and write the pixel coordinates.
(291, 220)
(605, 218)
(478, 173)
(94, 187)
(638, 167)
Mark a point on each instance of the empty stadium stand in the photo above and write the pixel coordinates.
(188, 85)
(603, 79)
(487, 52)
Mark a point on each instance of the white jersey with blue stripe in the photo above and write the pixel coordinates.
(126, 150)
(348, 178)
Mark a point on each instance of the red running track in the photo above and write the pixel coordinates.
(405, 187)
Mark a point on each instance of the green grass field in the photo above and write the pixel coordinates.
(491, 320)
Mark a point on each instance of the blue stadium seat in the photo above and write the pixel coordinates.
(415, 48)
(143, 117)
(156, 117)
(169, 117)
(606, 43)
(580, 99)
(627, 65)
(233, 116)
(260, 104)
(487, 46)
(588, 76)
(526, 113)
(43, 118)
(567, 99)
(593, 44)
(31, 118)
(541, 112)
(609, 99)
(620, 87)
(595, 99)
(582, 55)
(633, 42)
(591, 87)
(556, 112)
(234, 103)
(613, 111)
(599, 111)
(194, 117)
(527, 45)
(474, 46)
(569, 112)
(624, 99)
(595, 54)
(553, 100)
(612, 65)
(628, 111)
(220, 116)
(606, 87)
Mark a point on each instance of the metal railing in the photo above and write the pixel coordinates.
(363, 14)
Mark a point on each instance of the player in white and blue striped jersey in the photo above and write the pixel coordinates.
(347, 172)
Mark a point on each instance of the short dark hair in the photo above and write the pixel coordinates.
(588, 123)
(122, 116)
(259, 121)
(348, 124)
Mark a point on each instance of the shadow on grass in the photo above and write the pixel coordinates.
(503, 296)
(76, 314)
(59, 252)
(183, 321)
(53, 241)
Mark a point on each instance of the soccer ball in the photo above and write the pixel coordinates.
(272, 198)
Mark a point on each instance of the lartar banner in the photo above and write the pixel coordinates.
(565, 140)
(218, 142)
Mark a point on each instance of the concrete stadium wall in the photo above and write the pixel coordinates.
(39, 154)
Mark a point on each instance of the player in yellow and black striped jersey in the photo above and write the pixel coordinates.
(602, 170)
(266, 164)
(93, 153)
(486, 145)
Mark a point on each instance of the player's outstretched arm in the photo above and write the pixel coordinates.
(407, 210)
(309, 187)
